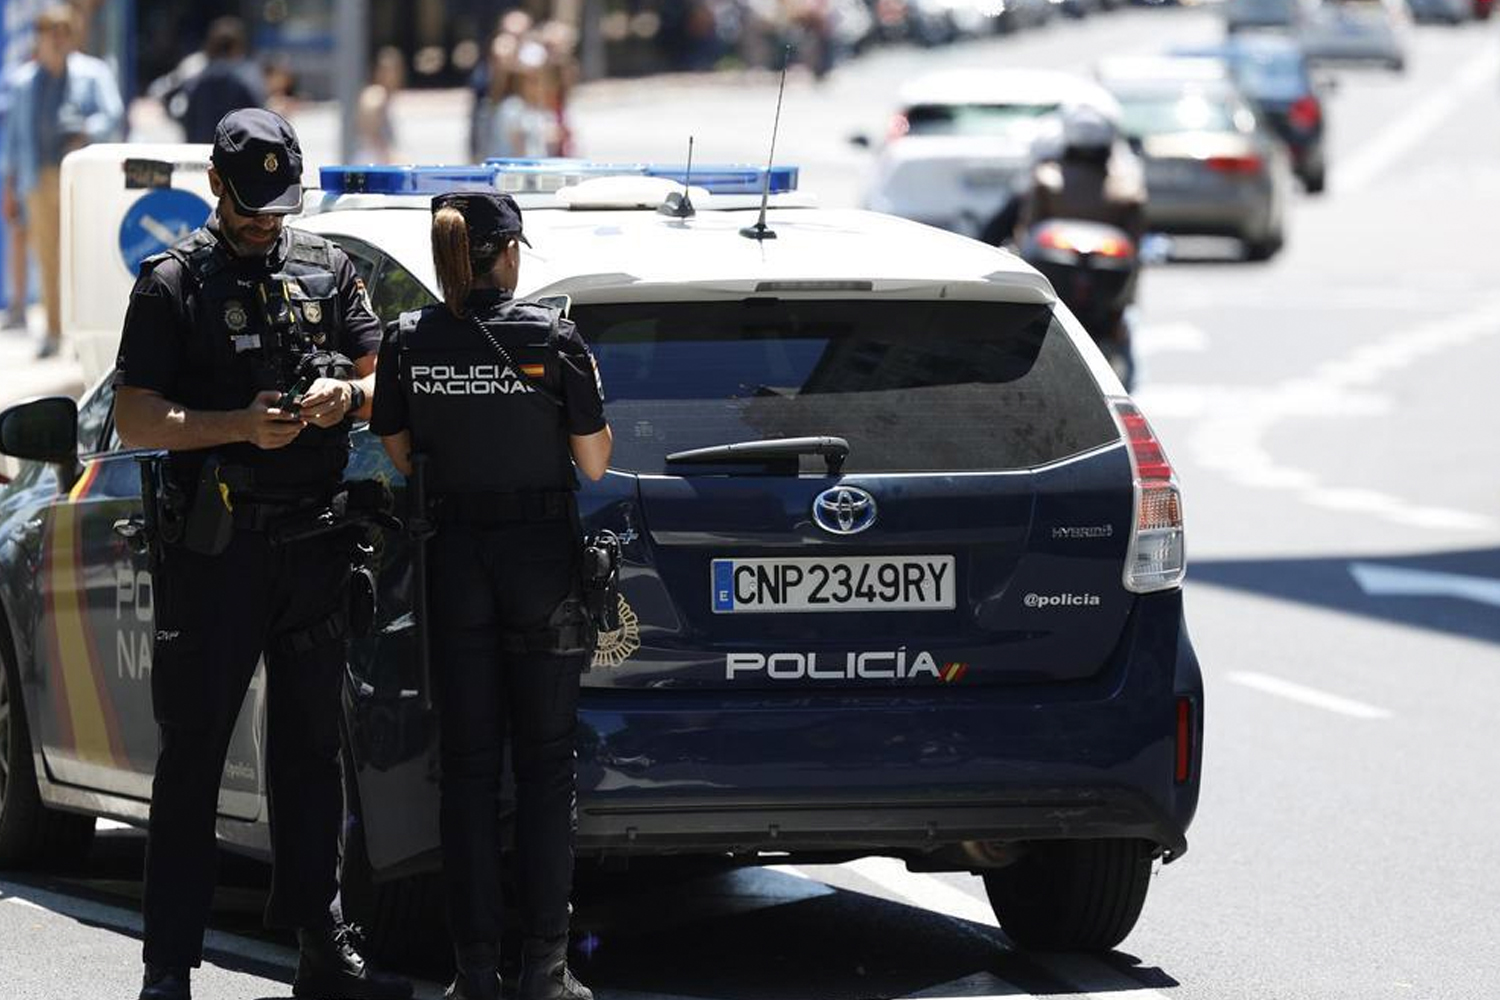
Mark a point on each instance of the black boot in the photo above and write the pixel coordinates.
(545, 974)
(332, 968)
(478, 975)
(163, 982)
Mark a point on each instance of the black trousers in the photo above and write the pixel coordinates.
(485, 583)
(215, 617)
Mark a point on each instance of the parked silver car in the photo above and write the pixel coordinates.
(1373, 31)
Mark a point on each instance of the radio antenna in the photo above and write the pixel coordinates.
(760, 231)
(680, 206)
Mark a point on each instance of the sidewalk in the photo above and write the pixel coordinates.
(22, 375)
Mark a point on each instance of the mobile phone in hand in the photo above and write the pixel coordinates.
(291, 400)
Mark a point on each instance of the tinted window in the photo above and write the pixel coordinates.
(972, 119)
(1272, 78)
(913, 386)
(93, 418)
(1157, 114)
(393, 289)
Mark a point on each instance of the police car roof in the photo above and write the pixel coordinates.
(641, 255)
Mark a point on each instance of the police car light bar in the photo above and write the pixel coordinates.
(546, 176)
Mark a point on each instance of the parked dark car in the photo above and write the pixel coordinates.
(1273, 73)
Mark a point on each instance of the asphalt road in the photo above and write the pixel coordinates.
(1327, 415)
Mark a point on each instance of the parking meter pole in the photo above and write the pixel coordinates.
(421, 530)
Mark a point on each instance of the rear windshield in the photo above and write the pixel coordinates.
(1160, 114)
(1262, 11)
(972, 119)
(913, 386)
(1267, 77)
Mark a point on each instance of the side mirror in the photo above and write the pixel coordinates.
(860, 140)
(41, 430)
(562, 303)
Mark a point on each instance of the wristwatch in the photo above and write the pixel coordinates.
(356, 396)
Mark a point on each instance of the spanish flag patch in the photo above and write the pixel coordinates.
(534, 371)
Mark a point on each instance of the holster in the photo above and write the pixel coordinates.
(568, 632)
(601, 580)
(209, 522)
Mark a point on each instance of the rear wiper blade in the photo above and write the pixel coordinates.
(833, 449)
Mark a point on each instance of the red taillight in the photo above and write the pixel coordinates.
(1112, 247)
(1184, 739)
(1055, 239)
(898, 127)
(1238, 165)
(1150, 460)
(1305, 113)
(1157, 559)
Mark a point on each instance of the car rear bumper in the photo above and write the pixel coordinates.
(1245, 211)
(917, 771)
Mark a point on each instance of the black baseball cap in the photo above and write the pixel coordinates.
(492, 219)
(257, 155)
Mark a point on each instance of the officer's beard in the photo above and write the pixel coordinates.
(249, 237)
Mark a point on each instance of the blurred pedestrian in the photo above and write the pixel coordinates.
(377, 133)
(61, 100)
(18, 270)
(561, 74)
(230, 80)
(493, 81)
(281, 88)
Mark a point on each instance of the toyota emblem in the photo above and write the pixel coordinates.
(844, 510)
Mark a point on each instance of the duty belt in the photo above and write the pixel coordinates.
(260, 515)
(489, 508)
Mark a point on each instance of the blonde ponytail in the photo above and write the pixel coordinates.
(450, 255)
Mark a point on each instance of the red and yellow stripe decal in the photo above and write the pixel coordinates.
(534, 371)
(86, 715)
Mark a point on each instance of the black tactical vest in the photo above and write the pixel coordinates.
(257, 324)
(483, 425)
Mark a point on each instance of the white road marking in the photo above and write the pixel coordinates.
(923, 891)
(1406, 132)
(128, 920)
(1401, 581)
(1308, 696)
(1161, 338)
(1099, 980)
(1232, 422)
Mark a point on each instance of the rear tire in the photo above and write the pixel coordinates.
(1264, 249)
(31, 835)
(1083, 895)
(1315, 183)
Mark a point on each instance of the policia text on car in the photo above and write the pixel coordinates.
(236, 360)
(493, 401)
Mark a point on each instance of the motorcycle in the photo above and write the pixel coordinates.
(1094, 268)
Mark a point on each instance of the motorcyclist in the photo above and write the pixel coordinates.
(1095, 177)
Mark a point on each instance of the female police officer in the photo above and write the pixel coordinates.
(501, 400)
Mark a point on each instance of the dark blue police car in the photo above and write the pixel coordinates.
(903, 567)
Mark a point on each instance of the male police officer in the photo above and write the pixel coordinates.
(219, 327)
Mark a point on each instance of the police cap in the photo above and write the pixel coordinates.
(257, 155)
(491, 217)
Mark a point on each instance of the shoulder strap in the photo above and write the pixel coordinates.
(309, 249)
(196, 255)
(536, 387)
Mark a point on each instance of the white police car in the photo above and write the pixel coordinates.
(902, 573)
(961, 145)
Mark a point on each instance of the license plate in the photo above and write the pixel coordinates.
(873, 583)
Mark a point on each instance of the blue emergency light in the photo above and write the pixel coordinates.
(545, 176)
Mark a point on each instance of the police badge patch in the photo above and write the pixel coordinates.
(312, 312)
(272, 164)
(235, 316)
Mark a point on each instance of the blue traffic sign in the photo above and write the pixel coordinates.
(157, 220)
